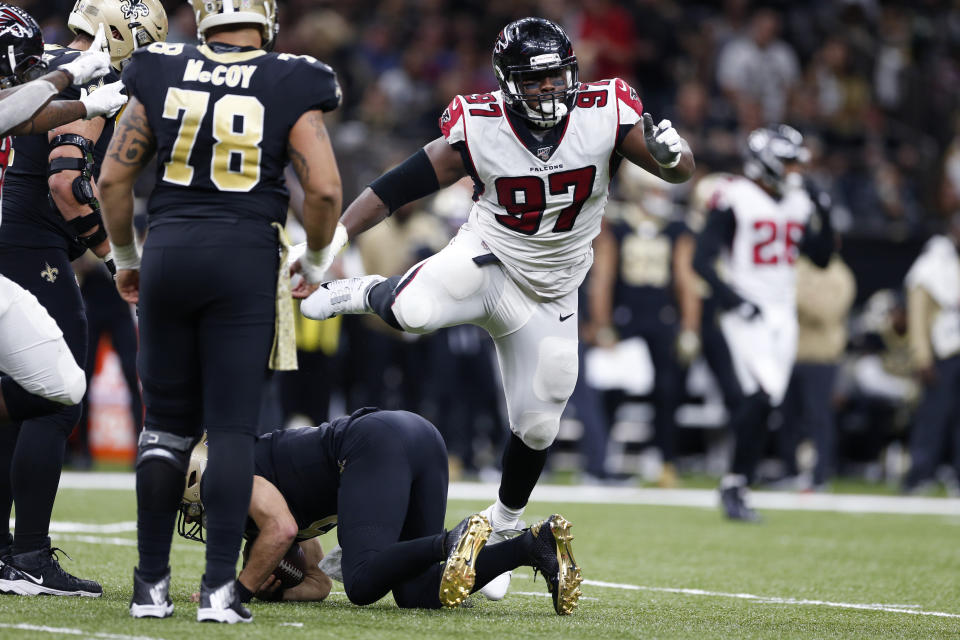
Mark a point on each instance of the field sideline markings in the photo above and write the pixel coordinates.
(572, 494)
(911, 609)
(73, 632)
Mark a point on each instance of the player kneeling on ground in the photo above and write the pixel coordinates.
(380, 477)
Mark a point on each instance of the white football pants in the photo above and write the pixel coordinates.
(32, 349)
(536, 341)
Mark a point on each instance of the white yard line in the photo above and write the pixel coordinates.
(73, 632)
(703, 498)
(912, 609)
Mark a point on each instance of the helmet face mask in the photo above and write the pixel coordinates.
(127, 24)
(21, 47)
(536, 70)
(191, 516)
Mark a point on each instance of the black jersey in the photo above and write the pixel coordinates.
(28, 218)
(643, 295)
(304, 465)
(221, 116)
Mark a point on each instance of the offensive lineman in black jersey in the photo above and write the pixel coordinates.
(50, 217)
(40, 374)
(380, 478)
(224, 118)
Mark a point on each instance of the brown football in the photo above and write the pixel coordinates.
(292, 567)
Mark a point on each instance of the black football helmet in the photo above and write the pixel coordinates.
(527, 50)
(21, 47)
(768, 152)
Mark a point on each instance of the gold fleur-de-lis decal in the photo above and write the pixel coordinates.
(50, 273)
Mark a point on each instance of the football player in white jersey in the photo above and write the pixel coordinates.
(756, 225)
(541, 152)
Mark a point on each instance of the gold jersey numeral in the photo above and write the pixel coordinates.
(235, 141)
(193, 106)
(237, 129)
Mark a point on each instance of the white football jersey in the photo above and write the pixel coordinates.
(538, 204)
(761, 263)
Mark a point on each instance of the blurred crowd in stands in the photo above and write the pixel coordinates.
(874, 86)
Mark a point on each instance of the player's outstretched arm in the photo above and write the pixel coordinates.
(27, 109)
(311, 156)
(659, 149)
(278, 530)
(131, 147)
(434, 167)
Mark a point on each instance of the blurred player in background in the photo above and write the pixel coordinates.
(224, 119)
(639, 282)
(51, 216)
(933, 321)
(541, 152)
(756, 225)
(380, 478)
(40, 373)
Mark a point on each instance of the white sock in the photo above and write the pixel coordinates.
(501, 516)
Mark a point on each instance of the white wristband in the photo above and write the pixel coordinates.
(126, 256)
(315, 263)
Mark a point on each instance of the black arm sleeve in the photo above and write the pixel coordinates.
(818, 240)
(717, 234)
(410, 180)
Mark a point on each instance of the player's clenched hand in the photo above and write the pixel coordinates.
(270, 590)
(663, 142)
(105, 101)
(92, 63)
(128, 284)
(311, 265)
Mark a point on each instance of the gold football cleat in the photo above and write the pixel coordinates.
(564, 577)
(459, 572)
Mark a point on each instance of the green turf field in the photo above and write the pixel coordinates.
(669, 572)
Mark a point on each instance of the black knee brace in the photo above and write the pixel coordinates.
(82, 190)
(166, 447)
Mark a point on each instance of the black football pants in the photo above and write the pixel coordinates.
(31, 453)
(206, 327)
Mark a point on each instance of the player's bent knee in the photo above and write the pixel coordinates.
(161, 446)
(74, 380)
(536, 429)
(556, 373)
(415, 308)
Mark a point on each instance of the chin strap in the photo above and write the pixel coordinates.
(82, 190)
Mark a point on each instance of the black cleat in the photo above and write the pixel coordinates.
(462, 544)
(151, 599)
(552, 555)
(735, 506)
(39, 573)
(221, 604)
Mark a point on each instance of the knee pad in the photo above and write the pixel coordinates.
(165, 447)
(537, 429)
(556, 373)
(414, 308)
(72, 380)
